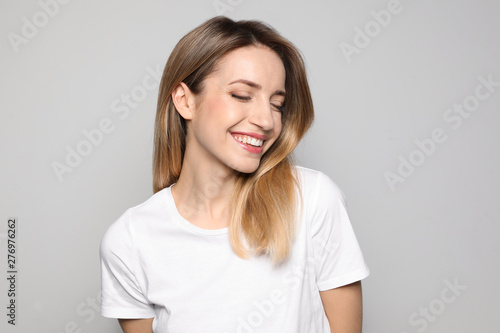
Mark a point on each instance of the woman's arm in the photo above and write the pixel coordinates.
(344, 308)
(136, 325)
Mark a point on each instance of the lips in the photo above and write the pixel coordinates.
(251, 134)
(249, 140)
(252, 142)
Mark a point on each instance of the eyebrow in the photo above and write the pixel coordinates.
(256, 86)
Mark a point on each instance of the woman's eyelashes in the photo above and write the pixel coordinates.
(280, 108)
(242, 98)
(277, 106)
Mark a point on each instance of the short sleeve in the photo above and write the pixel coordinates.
(121, 293)
(338, 259)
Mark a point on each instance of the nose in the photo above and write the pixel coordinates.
(262, 115)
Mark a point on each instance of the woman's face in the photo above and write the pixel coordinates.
(237, 117)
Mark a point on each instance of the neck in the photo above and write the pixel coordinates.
(202, 194)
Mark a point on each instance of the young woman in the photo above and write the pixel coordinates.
(236, 238)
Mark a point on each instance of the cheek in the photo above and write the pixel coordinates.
(207, 109)
(217, 106)
(218, 113)
(278, 127)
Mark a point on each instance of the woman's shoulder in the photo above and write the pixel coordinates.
(152, 206)
(318, 184)
(139, 217)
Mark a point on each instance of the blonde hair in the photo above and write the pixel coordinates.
(264, 202)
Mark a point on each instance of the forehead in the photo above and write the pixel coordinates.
(255, 63)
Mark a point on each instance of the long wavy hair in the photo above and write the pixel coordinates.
(264, 204)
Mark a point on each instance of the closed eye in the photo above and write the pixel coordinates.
(247, 98)
(242, 98)
(280, 108)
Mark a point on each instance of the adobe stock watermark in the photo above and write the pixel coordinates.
(223, 6)
(265, 308)
(425, 315)
(363, 37)
(121, 107)
(292, 280)
(31, 26)
(453, 117)
(87, 310)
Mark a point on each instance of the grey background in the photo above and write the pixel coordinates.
(437, 227)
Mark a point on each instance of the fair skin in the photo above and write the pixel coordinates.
(242, 96)
(136, 325)
(344, 308)
(240, 101)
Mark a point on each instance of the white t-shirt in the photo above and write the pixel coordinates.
(156, 264)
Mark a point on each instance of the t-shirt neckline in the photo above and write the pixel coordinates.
(179, 218)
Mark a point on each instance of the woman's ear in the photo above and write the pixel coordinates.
(183, 99)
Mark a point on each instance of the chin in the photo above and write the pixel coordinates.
(247, 168)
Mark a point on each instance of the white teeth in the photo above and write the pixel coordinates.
(249, 140)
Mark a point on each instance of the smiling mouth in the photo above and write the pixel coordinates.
(246, 139)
